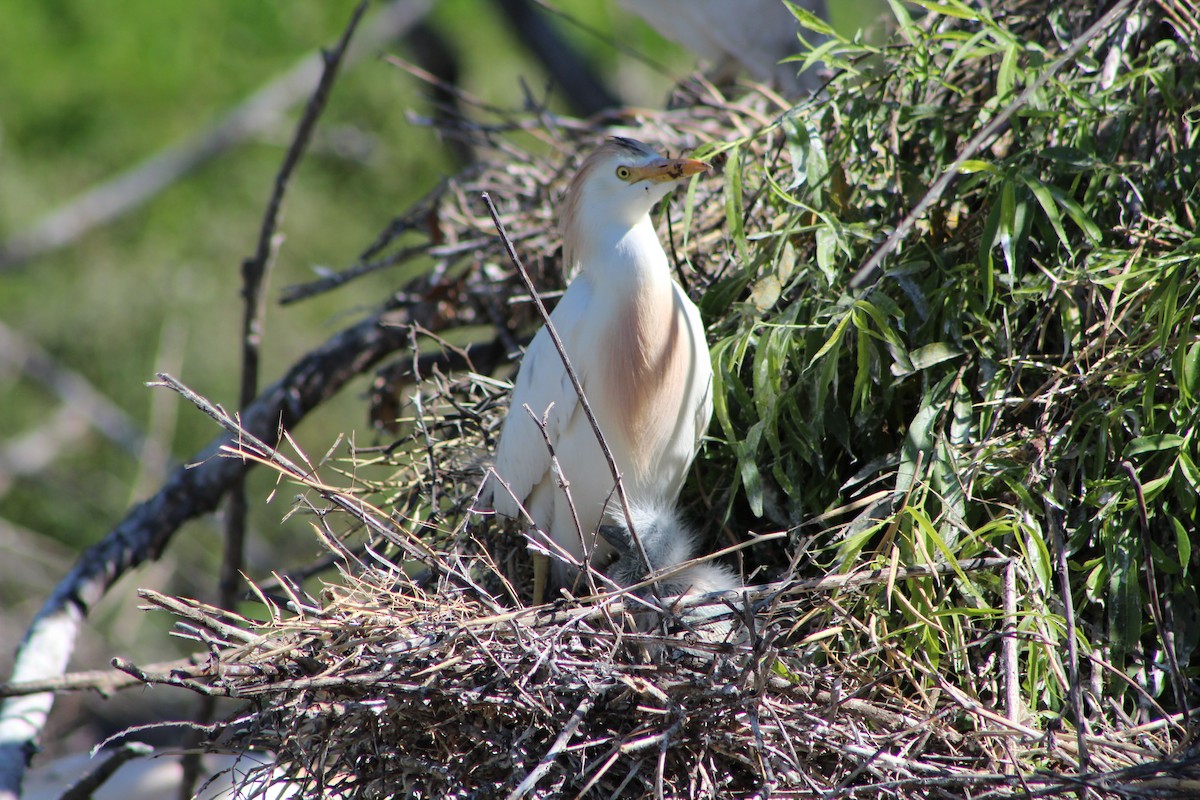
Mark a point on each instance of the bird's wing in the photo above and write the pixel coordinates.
(702, 366)
(522, 460)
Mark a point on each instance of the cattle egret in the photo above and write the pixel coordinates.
(637, 345)
(668, 544)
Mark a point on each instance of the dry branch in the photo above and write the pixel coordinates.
(256, 271)
(190, 492)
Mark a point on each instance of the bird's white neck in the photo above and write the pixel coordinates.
(621, 259)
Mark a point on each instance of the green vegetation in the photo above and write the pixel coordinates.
(1023, 377)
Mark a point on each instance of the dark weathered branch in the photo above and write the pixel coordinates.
(189, 492)
(93, 780)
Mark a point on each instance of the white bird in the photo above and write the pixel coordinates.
(636, 343)
(669, 545)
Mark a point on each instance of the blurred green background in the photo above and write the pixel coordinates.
(89, 88)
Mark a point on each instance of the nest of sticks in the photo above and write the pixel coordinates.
(422, 671)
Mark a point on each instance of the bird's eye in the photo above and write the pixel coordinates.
(623, 173)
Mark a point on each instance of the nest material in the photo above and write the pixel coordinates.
(383, 688)
(422, 673)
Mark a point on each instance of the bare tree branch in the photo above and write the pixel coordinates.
(256, 272)
(190, 492)
(86, 786)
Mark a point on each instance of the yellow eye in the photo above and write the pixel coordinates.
(623, 173)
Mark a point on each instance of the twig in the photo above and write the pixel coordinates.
(563, 482)
(1054, 522)
(1167, 637)
(86, 786)
(188, 493)
(103, 681)
(1010, 656)
(256, 271)
(547, 761)
(255, 274)
(248, 447)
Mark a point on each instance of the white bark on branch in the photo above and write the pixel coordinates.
(190, 492)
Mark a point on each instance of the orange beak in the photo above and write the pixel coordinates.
(668, 169)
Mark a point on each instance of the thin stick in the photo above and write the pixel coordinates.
(1178, 682)
(101, 681)
(256, 272)
(1009, 651)
(86, 787)
(562, 353)
(1054, 521)
(527, 785)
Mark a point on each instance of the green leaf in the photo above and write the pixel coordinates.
(811, 21)
(918, 442)
(827, 247)
(1124, 595)
(734, 208)
(1050, 208)
(971, 166)
(1187, 370)
(931, 354)
(1183, 545)
(748, 468)
(951, 9)
(1153, 443)
(833, 341)
(1037, 555)
(1006, 76)
(903, 19)
(1077, 214)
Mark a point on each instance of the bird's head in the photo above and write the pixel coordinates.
(617, 185)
